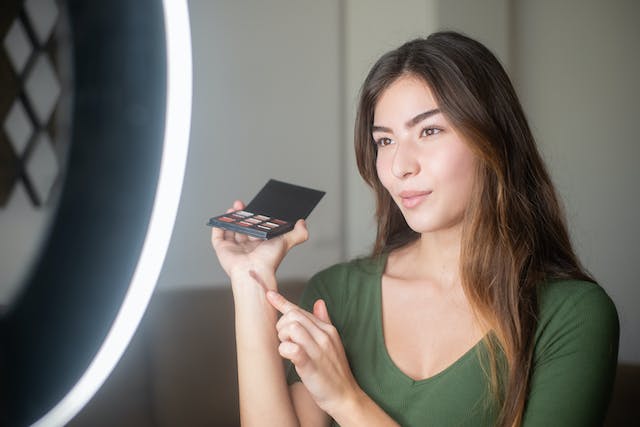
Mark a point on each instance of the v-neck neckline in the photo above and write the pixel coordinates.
(399, 373)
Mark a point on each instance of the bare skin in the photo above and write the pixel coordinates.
(429, 171)
(309, 340)
(427, 321)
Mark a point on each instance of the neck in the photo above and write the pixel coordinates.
(441, 250)
(435, 256)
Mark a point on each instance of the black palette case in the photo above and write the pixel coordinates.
(272, 212)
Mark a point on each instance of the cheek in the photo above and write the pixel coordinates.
(383, 168)
(457, 168)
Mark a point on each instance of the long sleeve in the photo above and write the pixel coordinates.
(575, 357)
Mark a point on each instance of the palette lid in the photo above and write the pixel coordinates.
(285, 201)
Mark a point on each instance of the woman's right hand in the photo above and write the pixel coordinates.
(240, 254)
(312, 343)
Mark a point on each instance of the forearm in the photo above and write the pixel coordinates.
(361, 410)
(264, 395)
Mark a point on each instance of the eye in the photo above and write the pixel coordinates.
(430, 131)
(382, 142)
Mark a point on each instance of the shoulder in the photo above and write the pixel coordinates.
(347, 277)
(575, 355)
(343, 285)
(573, 312)
(357, 269)
(570, 298)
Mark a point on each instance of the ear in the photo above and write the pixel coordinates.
(320, 311)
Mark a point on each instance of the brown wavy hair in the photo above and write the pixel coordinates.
(514, 230)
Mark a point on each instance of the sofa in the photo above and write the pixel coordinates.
(180, 368)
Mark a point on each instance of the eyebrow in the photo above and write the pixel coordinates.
(411, 123)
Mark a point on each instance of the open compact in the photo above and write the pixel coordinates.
(272, 212)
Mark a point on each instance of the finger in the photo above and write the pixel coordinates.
(241, 238)
(217, 235)
(280, 303)
(220, 235)
(323, 333)
(313, 325)
(293, 352)
(229, 235)
(285, 306)
(298, 333)
(238, 205)
(298, 235)
(320, 311)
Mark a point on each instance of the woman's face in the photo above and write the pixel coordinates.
(426, 167)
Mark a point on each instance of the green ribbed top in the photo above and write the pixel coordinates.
(574, 359)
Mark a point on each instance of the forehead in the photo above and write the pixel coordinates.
(405, 98)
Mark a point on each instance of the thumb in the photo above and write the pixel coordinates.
(320, 311)
(298, 235)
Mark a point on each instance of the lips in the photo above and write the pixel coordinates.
(411, 199)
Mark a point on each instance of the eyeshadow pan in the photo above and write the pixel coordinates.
(272, 212)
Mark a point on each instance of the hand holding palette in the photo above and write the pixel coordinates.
(272, 212)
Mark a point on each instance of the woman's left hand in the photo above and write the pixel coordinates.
(313, 345)
(241, 254)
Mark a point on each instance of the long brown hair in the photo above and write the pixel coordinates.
(514, 232)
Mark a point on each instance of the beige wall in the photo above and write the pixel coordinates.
(265, 105)
(576, 69)
(295, 69)
(275, 88)
(372, 27)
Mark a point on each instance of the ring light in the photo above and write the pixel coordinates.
(108, 237)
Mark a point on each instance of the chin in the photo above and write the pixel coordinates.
(421, 226)
(424, 225)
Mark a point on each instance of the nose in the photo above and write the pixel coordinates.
(405, 161)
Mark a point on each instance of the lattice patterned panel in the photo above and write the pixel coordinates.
(29, 99)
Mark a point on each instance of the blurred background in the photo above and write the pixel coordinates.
(275, 87)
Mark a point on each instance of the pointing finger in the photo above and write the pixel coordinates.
(280, 303)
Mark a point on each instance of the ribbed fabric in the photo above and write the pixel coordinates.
(574, 359)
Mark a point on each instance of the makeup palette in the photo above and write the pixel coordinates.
(258, 225)
(272, 212)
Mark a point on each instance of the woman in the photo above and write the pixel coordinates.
(473, 308)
